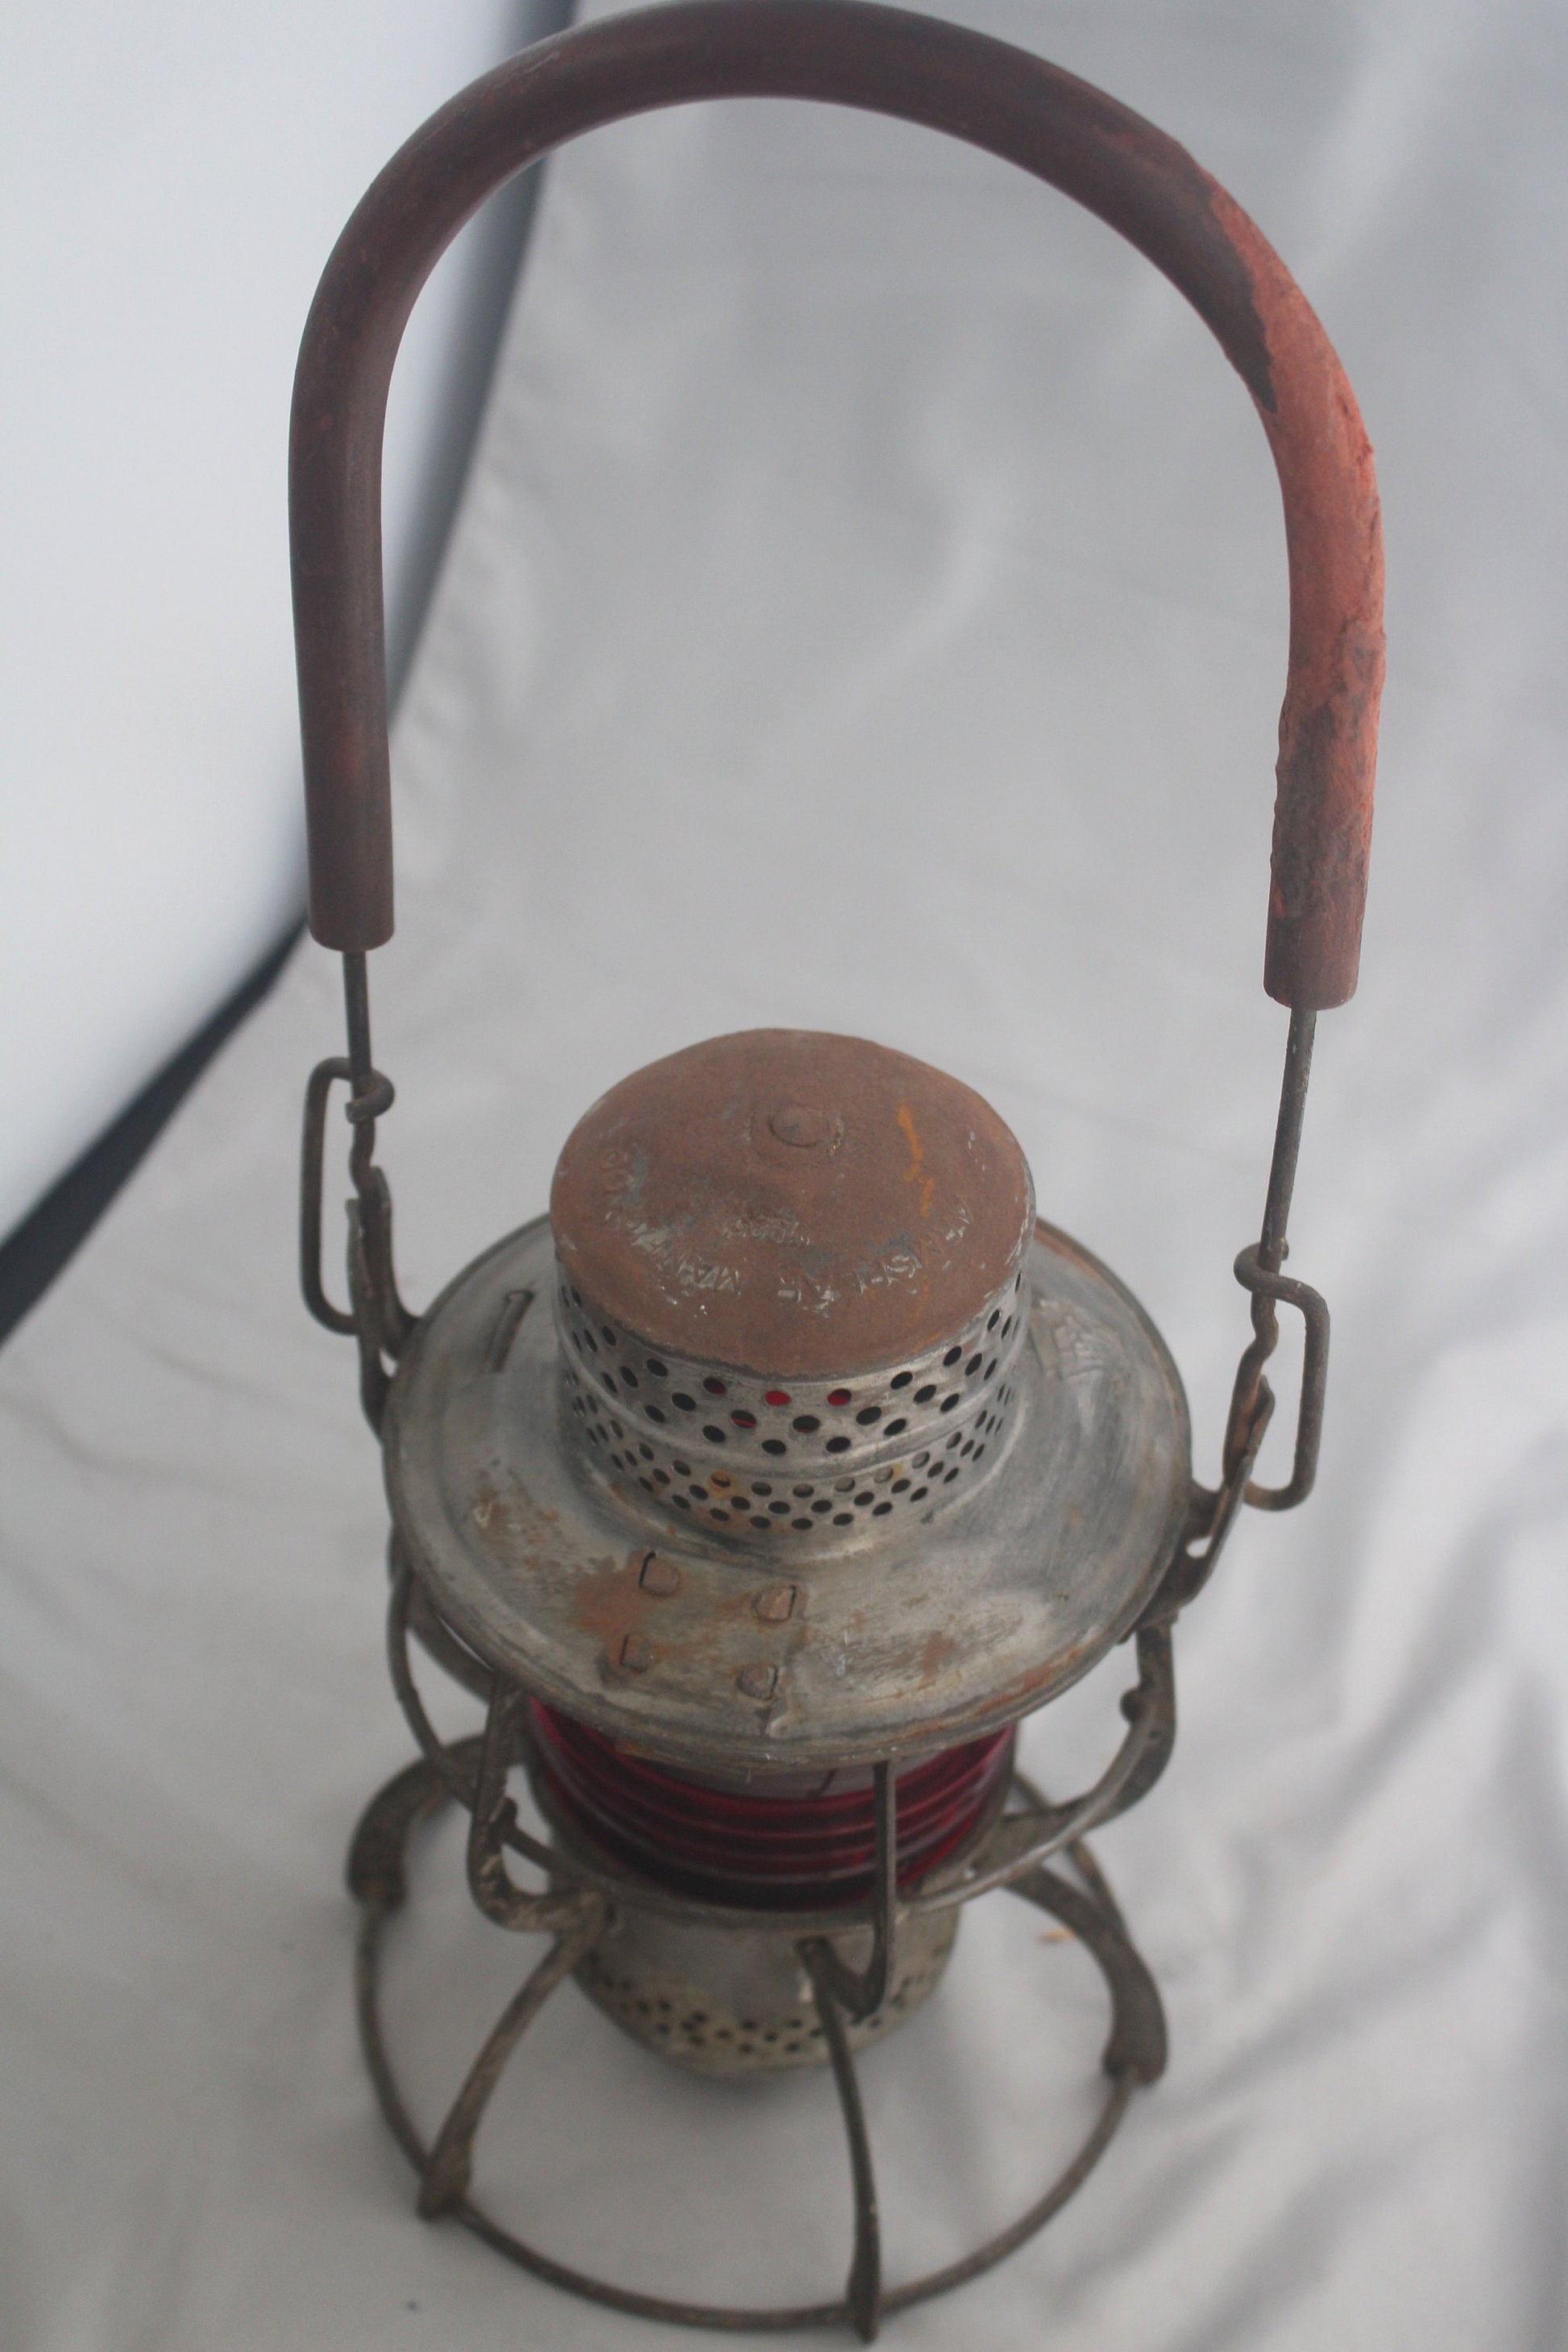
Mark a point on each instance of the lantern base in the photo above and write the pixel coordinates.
(1134, 2054)
(725, 2001)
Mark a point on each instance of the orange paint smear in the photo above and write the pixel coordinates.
(913, 1173)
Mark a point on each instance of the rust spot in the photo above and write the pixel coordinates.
(609, 1603)
(915, 1173)
(939, 1650)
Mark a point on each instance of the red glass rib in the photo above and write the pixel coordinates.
(773, 1843)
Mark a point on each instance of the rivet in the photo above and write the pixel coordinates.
(800, 1125)
(659, 1575)
(636, 1653)
(774, 1602)
(757, 1682)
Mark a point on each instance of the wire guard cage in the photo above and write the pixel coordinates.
(762, 1488)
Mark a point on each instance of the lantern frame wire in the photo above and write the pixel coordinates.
(1134, 2054)
(1142, 184)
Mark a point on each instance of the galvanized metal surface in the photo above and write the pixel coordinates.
(903, 1635)
(738, 1452)
(801, 1206)
(737, 2001)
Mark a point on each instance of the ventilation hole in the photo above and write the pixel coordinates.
(995, 1318)
(978, 1451)
(901, 1485)
(868, 1415)
(655, 1412)
(661, 1477)
(801, 1493)
(630, 1378)
(966, 1449)
(800, 1526)
(647, 1453)
(971, 1368)
(861, 1501)
(844, 1485)
(685, 1403)
(838, 1444)
(715, 1388)
(949, 1402)
(920, 1494)
(576, 1298)
(780, 1510)
(714, 1436)
(609, 1335)
(991, 1367)
(882, 1510)
(723, 1516)
(805, 1423)
(950, 1477)
(683, 1469)
(586, 1339)
(1006, 1327)
(610, 1382)
(901, 1380)
(699, 1493)
(840, 1396)
(895, 1429)
(775, 1445)
(760, 1523)
(646, 1485)
(953, 1441)
(744, 1420)
(775, 1396)
(824, 1504)
(720, 1478)
(952, 1357)
(651, 1364)
(615, 1426)
(922, 1396)
(843, 1519)
(762, 1486)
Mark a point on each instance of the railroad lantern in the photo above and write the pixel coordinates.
(760, 1489)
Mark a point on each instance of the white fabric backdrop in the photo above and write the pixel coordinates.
(868, 612)
(172, 177)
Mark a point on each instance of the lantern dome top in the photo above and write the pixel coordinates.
(791, 1202)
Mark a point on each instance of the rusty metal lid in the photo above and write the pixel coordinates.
(791, 1202)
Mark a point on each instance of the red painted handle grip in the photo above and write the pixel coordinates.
(996, 96)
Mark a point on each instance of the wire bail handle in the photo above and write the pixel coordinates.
(1010, 104)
